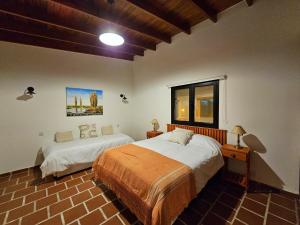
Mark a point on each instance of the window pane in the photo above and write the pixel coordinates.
(182, 105)
(204, 104)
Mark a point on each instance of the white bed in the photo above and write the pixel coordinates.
(203, 155)
(68, 157)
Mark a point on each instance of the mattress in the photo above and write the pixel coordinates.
(204, 160)
(59, 157)
(156, 199)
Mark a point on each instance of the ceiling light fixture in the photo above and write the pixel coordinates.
(111, 38)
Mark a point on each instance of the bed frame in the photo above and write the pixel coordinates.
(219, 135)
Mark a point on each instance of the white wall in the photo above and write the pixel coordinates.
(50, 72)
(258, 48)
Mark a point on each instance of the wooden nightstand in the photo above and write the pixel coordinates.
(152, 134)
(242, 154)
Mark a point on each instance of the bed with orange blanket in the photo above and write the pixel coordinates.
(154, 184)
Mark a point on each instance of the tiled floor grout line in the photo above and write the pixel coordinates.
(88, 212)
(182, 221)
(282, 206)
(195, 210)
(224, 204)
(118, 215)
(256, 201)
(105, 199)
(210, 207)
(108, 198)
(252, 211)
(267, 209)
(48, 212)
(236, 219)
(282, 196)
(238, 208)
(50, 217)
(230, 195)
(281, 218)
(221, 217)
(5, 218)
(103, 214)
(62, 218)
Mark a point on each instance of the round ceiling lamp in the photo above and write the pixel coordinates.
(111, 39)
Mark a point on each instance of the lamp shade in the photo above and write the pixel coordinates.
(238, 130)
(154, 121)
(155, 124)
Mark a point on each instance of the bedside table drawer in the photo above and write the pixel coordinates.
(234, 154)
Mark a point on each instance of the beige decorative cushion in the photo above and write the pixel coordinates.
(188, 132)
(87, 131)
(181, 136)
(63, 136)
(107, 130)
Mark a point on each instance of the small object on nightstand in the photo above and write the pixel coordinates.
(239, 131)
(242, 154)
(152, 134)
(155, 124)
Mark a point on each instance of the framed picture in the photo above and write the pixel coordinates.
(84, 102)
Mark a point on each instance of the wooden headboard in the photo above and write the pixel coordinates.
(219, 135)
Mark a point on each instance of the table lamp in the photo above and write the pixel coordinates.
(155, 124)
(240, 132)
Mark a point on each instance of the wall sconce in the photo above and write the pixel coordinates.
(28, 94)
(124, 99)
(30, 91)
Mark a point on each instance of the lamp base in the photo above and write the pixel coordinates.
(238, 147)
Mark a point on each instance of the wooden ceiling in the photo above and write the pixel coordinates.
(74, 25)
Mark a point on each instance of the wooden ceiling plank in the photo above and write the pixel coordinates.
(162, 15)
(17, 37)
(249, 2)
(16, 23)
(93, 10)
(206, 10)
(32, 9)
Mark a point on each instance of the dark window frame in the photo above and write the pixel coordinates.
(191, 87)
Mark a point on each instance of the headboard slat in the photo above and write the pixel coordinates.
(219, 135)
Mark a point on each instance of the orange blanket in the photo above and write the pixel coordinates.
(154, 187)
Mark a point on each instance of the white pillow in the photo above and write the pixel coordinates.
(188, 132)
(204, 141)
(107, 130)
(63, 136)
(181, 136)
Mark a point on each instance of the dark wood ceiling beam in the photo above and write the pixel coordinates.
(42, 12)
(249, 2)
(93, 10)
(206, 10)
(162, 15)
(16, 23)
(14, 37)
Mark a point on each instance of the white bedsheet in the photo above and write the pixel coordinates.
(203, 160)
(59, 156)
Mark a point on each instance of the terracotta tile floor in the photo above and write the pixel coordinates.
(77, 200)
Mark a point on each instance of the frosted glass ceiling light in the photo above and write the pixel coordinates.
(111, 39)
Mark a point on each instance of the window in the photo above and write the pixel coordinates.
(196, 104)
